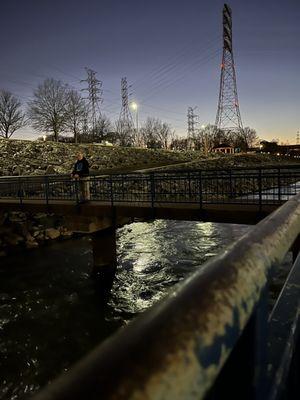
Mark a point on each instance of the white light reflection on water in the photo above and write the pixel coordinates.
(153, 257)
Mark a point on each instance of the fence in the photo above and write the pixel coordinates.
(241, 186)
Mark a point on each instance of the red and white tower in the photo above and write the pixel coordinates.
(228, 119)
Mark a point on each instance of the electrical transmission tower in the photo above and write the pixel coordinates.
(228, 119)
(297, 137)
(125, 125)
(95, 93)
(191, 122)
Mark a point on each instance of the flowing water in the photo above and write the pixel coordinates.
(52, 311)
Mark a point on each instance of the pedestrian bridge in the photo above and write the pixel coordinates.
(236, 195)
(216, 336)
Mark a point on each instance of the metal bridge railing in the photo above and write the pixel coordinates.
(214, 337)
(240, 186)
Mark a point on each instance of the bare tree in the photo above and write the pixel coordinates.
(12, 117)
(156, 134)
(102, 131)
(76, 113)
(125, 134)
(48, 109)
(102, 127)
(250, 137)
(178, 143)
(208, 137)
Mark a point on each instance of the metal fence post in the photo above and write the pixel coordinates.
(47, 189)
(111, 190)
(259, 189)
(76, 183)
(20, 190)
(152, 188)
(230, 184)
(200, 189)
(279, 185)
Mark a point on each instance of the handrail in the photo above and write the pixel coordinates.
(163, 171)
(177, 349)
(255, 186)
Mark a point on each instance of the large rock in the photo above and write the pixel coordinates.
(31, 244)
(50, 170)
(52, 233)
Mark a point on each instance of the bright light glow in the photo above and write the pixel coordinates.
(134, 106)
(203, 126)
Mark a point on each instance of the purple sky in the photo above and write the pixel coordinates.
(170, 51)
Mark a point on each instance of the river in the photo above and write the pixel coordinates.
(52, 311)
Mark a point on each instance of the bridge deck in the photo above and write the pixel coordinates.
(231, 212)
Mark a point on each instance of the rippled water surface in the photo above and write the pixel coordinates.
(52, 311)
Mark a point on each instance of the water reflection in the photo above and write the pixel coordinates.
(52, 311)
(153, 257)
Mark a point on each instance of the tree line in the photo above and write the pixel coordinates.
(63, 114)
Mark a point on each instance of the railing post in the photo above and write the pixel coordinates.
(46, 189)
(260, 189)
(20, 190)
(279, 185)
(76, 183)
(152, 188)
(230, 184)
(190, 189)
(200, 189)
(111, 190)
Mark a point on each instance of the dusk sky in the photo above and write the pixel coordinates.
(169, 50)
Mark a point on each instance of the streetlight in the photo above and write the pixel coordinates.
(134, 106)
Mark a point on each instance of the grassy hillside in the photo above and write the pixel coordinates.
(28, 157)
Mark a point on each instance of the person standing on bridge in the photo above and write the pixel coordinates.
(81, 174)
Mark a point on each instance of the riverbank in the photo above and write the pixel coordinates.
(28, 231)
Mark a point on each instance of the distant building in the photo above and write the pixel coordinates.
(224, 148)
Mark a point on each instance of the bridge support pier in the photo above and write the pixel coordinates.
(105, 259)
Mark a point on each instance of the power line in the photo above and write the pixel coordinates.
(169, 83)
(181, 55)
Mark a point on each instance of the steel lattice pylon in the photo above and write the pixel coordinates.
(228, 117)
(125, 124)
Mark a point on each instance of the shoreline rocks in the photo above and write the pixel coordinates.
(24, 230)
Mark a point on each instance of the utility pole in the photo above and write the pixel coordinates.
(95, 93)
(191, 122)
(125, 124)
(228, 118)
(298, 137)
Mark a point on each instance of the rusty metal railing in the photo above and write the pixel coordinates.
(254, 186)
(213, 337)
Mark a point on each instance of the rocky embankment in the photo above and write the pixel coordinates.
(229, 161)
(24, 157)
(29, 230)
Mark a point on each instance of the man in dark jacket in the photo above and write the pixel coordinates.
(81, 172)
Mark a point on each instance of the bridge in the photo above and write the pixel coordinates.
(234, 195)
(216, 336)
